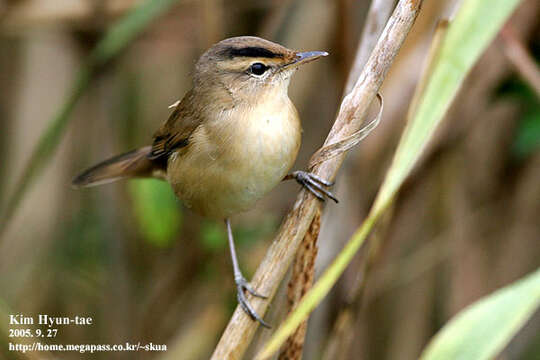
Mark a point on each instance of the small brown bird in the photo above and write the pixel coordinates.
(232, 138)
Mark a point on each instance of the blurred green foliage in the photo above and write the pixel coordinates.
(214, 235)
(527, 134)
(245, 235)
(84, 244)
(157, 211)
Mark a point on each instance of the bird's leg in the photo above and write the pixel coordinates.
(241, 283)
(313, 183)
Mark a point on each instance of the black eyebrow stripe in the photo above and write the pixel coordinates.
(252, 51)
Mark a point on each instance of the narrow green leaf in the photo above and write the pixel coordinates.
(482, 330)
(474, 27)
(117, 38)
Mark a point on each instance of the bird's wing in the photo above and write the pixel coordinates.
(175, 132)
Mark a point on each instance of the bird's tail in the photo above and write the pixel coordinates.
(131, 164)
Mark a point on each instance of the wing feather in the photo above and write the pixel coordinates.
(175, 132)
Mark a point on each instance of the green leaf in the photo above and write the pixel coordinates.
(484, 328)
(156, 210)
(116, 38)
(468, 35)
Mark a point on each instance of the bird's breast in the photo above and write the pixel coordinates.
(236, 158)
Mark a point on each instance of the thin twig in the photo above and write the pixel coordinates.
(520, 58)
(241, 328)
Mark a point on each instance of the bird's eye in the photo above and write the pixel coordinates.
(258, 68)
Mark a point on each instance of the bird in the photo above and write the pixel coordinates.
(231, 139)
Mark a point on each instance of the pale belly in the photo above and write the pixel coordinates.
(218, 176)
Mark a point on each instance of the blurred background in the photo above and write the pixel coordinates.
(146, 269)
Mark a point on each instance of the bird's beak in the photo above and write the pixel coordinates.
(304, 58)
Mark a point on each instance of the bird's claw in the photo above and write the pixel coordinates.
(314, 184)
(243, 285)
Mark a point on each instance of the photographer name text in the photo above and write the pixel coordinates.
(50, 321)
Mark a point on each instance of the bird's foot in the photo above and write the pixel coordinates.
(243, 285)
(314, 184)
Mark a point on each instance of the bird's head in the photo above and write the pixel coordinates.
(247, 65)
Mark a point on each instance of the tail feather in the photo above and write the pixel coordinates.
(131, 164)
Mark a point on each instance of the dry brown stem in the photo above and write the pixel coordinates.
(301, 281)
(378, 14)
(241, 328)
